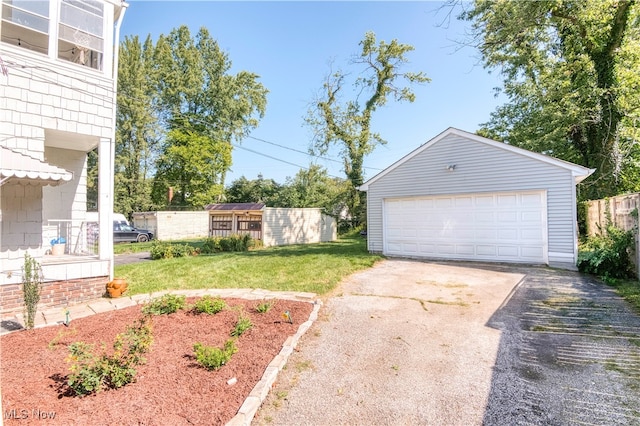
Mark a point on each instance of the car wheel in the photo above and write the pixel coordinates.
(143, 238)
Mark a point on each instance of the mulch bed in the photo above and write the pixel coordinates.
(170, 389)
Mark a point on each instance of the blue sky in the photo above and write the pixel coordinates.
(290, 46)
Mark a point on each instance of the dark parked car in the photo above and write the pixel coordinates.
(123, 233)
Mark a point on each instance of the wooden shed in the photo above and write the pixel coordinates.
(235, 218)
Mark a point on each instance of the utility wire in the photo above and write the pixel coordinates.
(277, 159)
(106, 98)
(303, 152)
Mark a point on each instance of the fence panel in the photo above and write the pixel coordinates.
(622, 210)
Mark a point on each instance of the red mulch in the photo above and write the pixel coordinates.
(170, 389)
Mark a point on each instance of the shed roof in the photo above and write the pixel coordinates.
(235, 206)
(579, 172)
(19, 166)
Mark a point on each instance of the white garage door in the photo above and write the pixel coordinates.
(502, 227)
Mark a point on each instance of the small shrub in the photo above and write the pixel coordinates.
(165, 250)
(167, 304)
(62, 334)
(263, 307)
(236, 242)
(209, 305)
(92, 372)
(211, 245)
(213, 358)
(242, 325)
(608, 256)
(31, 288)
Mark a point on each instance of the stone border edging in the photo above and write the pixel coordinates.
(260, 391)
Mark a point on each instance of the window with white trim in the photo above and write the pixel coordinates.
(25, 23)
(76, 29)
(80, 32)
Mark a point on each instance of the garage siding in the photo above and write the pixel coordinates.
(478, 168)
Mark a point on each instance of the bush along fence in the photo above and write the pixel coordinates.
(619, 212)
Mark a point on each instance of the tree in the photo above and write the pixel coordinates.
(313, 187)
(204, 109)
(192, 162)
(137, 130)
(348, 124)
(570, 72)
(261, 190)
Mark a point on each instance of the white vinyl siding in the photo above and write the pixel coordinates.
(479, 168)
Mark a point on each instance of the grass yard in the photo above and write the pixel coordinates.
(629, 290)
(315, 268)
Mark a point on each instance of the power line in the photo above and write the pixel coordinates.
(303, 152)
(277, 159)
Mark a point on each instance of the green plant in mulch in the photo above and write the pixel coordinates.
(243, 324)
(213, 358)
(166, 304)
(93, 371)
(31, 288)
(209, 305)
(264, 307)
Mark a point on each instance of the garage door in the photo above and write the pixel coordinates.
(502, 227)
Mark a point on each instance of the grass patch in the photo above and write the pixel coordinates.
(629, 290)
(315, 268)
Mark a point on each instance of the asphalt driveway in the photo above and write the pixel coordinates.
(410, 342)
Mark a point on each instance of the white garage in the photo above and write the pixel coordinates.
(464, 197)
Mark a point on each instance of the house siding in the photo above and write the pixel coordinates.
(479, 168)
(283, 226)
(51, 111)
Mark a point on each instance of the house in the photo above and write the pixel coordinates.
(58, 91)
(461, 196)
(273, 226)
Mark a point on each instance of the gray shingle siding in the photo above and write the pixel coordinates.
(479, 168)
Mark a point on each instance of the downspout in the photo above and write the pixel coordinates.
(112, 151)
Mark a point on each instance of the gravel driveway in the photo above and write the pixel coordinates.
(409, 342)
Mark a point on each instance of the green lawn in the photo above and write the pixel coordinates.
(315, 268)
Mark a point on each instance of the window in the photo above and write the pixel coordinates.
(80, 32)
(25, 23)
(253, 225)
(221, 225)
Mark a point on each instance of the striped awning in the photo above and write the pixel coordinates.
(18, 166)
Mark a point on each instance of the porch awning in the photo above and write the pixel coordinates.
(15, 165)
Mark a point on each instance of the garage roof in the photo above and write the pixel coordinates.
(579, 172)
(15, 165)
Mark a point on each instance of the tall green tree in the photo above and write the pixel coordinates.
(204, 109)
(260, 190)
(347, 124)
(313, 187)
(137, 128)
(571, 75)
